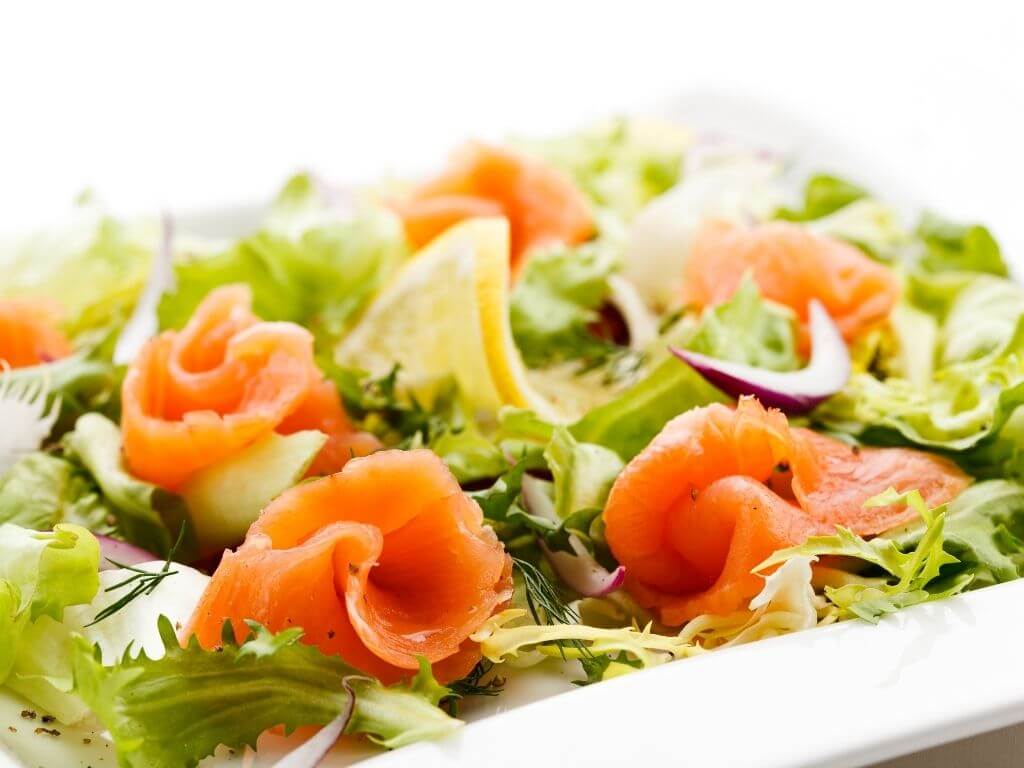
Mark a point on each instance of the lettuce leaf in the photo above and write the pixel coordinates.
(749, 330)
(43, 673)
(838, 208)
(145, 514)
(983, 321)
(824, 194)
(94, 267)
(583, 473)
(963, 247)
(320, 278)
(872, 226)
(469, 455)
(176, 710)
(51, 569)
(619, 165)
(984, 530)
(555, 298)
(960, 366)
(41, 574)
(914, 571)
(42, 490)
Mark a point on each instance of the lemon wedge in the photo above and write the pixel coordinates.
(445, 316)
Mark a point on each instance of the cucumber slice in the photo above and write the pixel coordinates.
(224, 500)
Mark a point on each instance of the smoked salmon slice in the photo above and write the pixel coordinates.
(381, 563)
(29, 333)
(542, 205)
(195, 397)
(719, 489)
(791, 266)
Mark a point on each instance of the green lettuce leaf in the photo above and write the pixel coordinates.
(555, 298)
(823, 195)
(399, 715)
(914, 344)
(145, 514)
(121, 616)
(984, 528)
(51, 569)
(175, 711)
(583, 473)
(749, 330)
(469, 455)
(41, 574)
(958, 357)
(12, 624)
(872, 226)
(320, 278)
(984, 320)
(503, 506)
(41, 490)
(619, 165)
(952, 246)
(95, 267)
(838, 208)
(912, 571)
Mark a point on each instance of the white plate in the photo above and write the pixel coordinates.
(844, 695)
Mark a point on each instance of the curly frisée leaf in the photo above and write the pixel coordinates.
(176, 710)
(786, 604)
(914, 571)
(500, 642)
(984, 529)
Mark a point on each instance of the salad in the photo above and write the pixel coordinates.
(589, 404)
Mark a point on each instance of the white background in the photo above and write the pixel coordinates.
(190, 104)
(197, 103)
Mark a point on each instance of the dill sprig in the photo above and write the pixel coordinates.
(474, 684)
(547, 607)
(142, 582)
(542, 598)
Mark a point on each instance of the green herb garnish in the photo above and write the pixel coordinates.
(542, 598)
(143, 582)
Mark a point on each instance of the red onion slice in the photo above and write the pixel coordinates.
(121, 552)
(310, 753)
(795, 391)
(581, 572)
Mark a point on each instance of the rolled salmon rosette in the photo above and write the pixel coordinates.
(200, 395)
(720, 489)
(382, 563)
